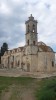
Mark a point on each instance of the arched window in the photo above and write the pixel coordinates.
(13, 58)
(11, 64)
(28, 28)
(33, 28)
(18, 62)
(52, 63)
(33, 42)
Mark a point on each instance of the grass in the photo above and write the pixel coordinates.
(45, 89)
(7, 81)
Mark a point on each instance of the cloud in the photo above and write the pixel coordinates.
(4, 9)
(14, 13)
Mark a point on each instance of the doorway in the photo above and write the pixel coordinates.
(28, 67)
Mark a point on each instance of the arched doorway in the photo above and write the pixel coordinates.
(11, 64)
(28, 67)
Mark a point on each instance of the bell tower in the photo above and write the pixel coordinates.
(31, 50)
(31, 36)
(31, 31)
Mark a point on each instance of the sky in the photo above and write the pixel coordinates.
(14, 13)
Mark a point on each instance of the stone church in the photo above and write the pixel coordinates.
(34, 56)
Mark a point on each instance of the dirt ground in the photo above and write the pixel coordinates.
(17, 72)
(19, 92)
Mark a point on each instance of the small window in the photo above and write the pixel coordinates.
(33, 42)
(28, 42)
(52, 63)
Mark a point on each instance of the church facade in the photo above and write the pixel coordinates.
(34, 56)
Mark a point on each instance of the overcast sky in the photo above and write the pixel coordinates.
(14, 13)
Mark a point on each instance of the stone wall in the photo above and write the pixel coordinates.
(39, 62)
(46, 61)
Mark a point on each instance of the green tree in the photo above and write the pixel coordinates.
(4, 48)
